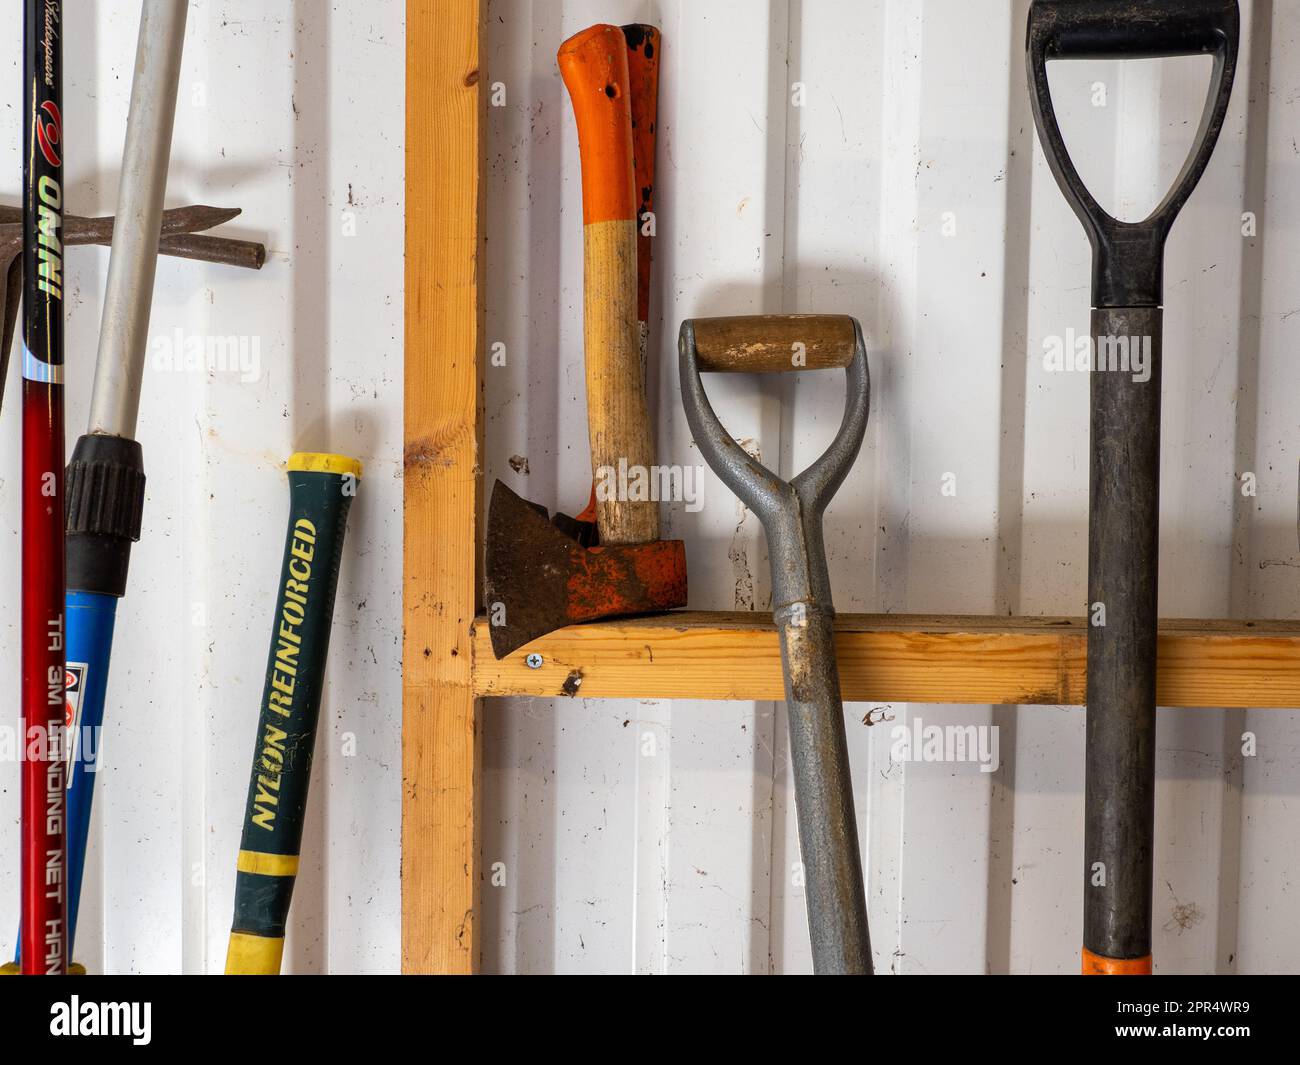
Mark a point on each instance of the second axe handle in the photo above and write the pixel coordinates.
(643, 47)
(594, 67)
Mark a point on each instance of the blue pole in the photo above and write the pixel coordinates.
(90, 642)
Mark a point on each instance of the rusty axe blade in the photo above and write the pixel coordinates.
(539, 580)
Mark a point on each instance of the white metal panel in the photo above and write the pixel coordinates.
(721, 252)
(291, 111)
(1266, 556)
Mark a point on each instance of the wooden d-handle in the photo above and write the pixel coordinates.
(774, 343)
(594, 67)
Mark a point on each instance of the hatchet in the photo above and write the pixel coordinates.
(643, 47)
(538, 578)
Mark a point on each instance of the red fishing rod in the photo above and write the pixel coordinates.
(43, 945)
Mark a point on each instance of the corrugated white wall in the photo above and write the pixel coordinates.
(909, 190)
(292, 111)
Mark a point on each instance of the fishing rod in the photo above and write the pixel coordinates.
(44, 939)
(104, 498)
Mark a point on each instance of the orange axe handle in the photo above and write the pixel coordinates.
(594, 67)
(643, 47)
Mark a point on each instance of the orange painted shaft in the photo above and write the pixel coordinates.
(1099, 965)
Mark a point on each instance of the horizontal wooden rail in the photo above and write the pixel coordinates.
(893, 658)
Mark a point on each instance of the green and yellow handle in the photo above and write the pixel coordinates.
(321, 488)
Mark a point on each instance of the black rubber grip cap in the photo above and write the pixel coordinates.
(104, 490)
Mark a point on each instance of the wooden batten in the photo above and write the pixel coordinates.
(894, 658)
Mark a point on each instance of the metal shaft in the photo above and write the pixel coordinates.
(1123, 551)
(106, 480)
(819, 749)
(123, 335)
(823, 793)
(791, 513)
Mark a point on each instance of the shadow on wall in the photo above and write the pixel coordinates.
(309, 412)
(1011, 483)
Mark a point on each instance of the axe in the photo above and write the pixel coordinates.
(643, 47)
(538, 578)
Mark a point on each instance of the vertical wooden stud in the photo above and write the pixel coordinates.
(443, 442)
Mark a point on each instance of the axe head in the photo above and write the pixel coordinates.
(539, 579)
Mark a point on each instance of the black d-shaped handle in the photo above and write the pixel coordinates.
(1128, 257)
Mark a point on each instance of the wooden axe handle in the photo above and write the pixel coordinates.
(594, 67)
(643, 47)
